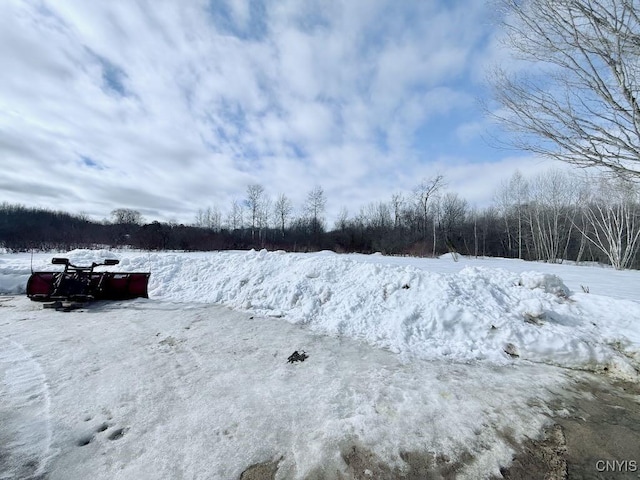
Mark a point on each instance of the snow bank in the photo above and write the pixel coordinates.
(476, 313)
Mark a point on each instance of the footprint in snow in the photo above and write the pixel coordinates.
(117, 434)
(102, 427)
(89, 437)
(85, 440)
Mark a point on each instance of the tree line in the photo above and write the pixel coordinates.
(552, 217)
(578, 104)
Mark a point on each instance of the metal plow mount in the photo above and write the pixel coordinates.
(82, 284)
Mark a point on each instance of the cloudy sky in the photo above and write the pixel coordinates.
(171, 106)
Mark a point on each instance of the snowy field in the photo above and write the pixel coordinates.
(406, 357)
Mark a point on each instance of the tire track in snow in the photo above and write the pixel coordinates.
(25, 436)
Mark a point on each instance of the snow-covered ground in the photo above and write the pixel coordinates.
(405, 355)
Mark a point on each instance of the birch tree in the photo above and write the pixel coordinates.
(210, 218)
(612, 208)
(577, 100)
(519, 188)
(549, 217)
(263, 218)
(545, 217)
(235, 218)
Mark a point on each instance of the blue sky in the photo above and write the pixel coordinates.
(167, 107)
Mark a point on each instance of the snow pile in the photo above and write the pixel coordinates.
(86, 257)
(549, 283)
(14, 272)
(475, 313)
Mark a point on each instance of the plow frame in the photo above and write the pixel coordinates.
(81, 284)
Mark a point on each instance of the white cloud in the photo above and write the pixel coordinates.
(470, 131)
(176, 109)
(240, 10)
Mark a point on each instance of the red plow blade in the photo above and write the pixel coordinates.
(83, 284)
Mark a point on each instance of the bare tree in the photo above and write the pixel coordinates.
(503, 198)
(581, 222)
(255, 198)
(422, 193)
(453, 211)
(397, 203)
(262, 221)
(343, 219)
(376, 215)
(201, 218)
(235, 218)
(314, 208)
(473, 216)
(579, 102)
(550, 214)
(613, 211)
(488, 222)
(520, 191)
(282, 211)
(210, 218)
(436, 212)
(512, 198)
(126, 216)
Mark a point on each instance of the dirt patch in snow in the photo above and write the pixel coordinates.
(595, 435)
(261, 471)
(544, 458)
(364, 465)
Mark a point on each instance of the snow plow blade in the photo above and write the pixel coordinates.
(82, 284)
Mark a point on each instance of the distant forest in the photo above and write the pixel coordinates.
(552, 217)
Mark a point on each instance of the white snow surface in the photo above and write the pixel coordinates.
(405, 355)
